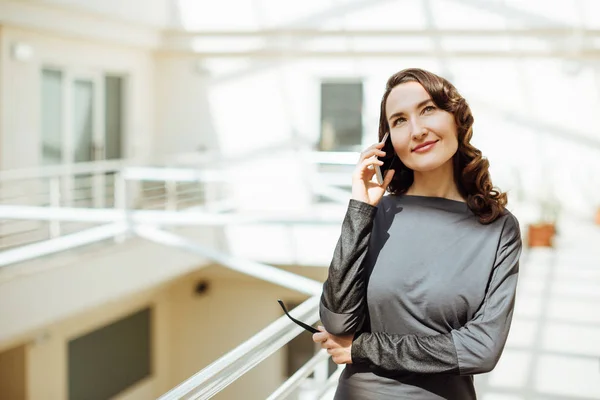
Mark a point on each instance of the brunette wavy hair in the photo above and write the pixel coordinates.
(471, 169)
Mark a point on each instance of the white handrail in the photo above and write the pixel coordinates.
(51, 171)
(103, 166)
(204, 159)
(331, 192)
(335, 178)
(225, 370)
(159, 217)
(299, 376)
(173, 174)
(62, 243)
(208, 174)
(333, 157)
(265, 272)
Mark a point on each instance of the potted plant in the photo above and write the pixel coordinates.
(595, 195)
(542, 233)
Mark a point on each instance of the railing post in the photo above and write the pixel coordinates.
(171, 188)
(98, 183)
(322, 372)
(54, 190)
(120, 196)
(68, 185)
(204, 198)
(210, 194)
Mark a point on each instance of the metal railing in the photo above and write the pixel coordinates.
(89, 186)
(44, 211)
(40, 204)
(218, 375)
(85, 185)
(318, 361)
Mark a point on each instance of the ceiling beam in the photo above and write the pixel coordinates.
(290, 53)
(552, 32)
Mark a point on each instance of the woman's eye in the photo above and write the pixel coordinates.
(428, 109)
(399, 120)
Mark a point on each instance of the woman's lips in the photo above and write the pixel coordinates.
(425, 148)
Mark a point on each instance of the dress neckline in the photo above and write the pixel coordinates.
(436, 202)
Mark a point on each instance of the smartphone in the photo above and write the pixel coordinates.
(388, 159)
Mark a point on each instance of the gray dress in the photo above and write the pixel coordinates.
(428, 292)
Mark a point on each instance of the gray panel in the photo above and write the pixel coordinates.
(114, 116)
(107, 361)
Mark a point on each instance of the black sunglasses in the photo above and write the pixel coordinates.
(302, 324)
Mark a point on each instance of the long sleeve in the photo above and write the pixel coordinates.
(343, 300)
(472, 349)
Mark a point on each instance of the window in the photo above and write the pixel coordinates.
(52, 115)
(92, 105)
(83, 120)
(341, 116)
(108, 360)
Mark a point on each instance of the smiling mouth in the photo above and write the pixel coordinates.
(425, 147)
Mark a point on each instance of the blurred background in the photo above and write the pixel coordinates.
(171, 168)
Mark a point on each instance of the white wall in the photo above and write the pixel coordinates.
(52, 288)
(152, 12)
(183, 110)
(3, 92)
(21, 90)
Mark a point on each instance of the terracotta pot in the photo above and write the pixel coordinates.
(541, 235)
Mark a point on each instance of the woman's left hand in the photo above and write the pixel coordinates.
(340, 347)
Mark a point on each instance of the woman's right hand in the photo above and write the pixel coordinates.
(363, 188)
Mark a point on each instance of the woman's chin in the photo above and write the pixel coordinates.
(427, 165)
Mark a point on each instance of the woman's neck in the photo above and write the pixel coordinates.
(436, 183)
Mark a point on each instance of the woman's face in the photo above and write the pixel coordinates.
(415, 121)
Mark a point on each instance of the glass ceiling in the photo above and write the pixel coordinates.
(459, 28)
(387, 14)
(534, 96)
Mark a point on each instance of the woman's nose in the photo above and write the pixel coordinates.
(419, 132)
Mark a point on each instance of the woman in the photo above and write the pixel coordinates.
(421, 288)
